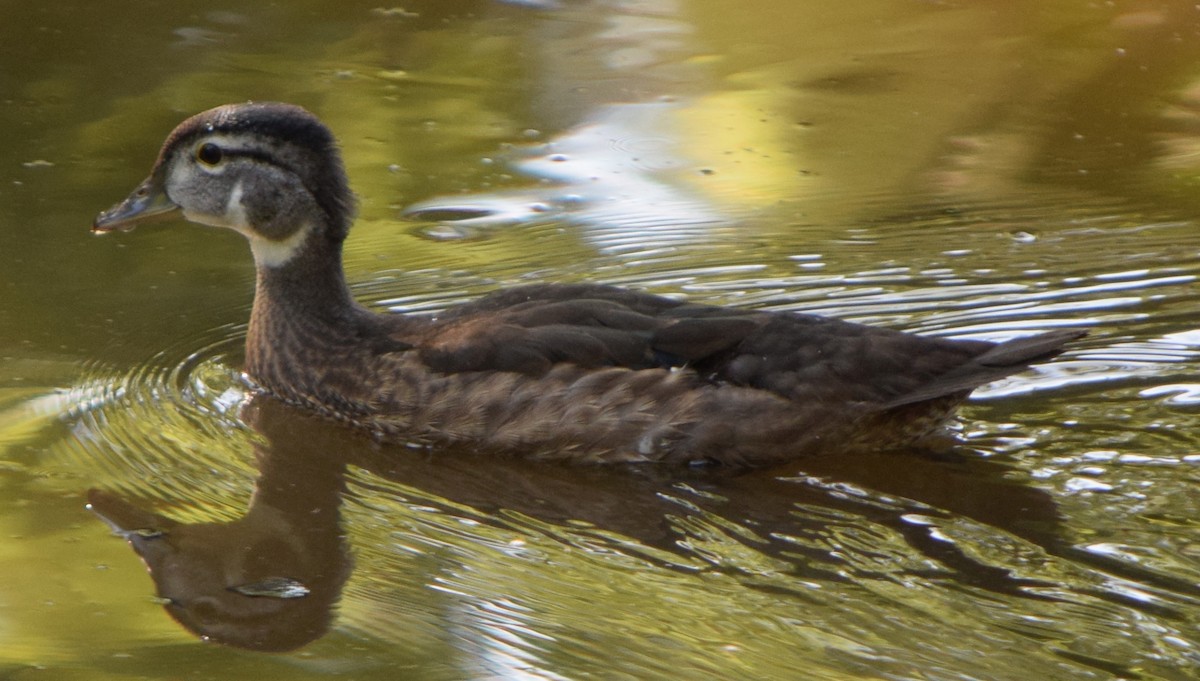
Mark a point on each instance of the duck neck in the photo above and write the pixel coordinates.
(302, 307)
(310, 285)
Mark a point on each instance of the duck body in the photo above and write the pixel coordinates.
(582, 371)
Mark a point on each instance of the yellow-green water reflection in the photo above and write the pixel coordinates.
(976, 170)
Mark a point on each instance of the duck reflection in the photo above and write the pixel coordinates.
(266, 581)
(269, 580)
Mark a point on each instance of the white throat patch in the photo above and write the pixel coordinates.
(270, 253)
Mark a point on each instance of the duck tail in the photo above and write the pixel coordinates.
(998, 361)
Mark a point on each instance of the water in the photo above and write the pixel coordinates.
(977, 171)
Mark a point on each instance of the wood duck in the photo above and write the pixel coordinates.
(583, 372)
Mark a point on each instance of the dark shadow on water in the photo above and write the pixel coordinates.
(270, 580)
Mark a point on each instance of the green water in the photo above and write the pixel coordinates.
(975, 170)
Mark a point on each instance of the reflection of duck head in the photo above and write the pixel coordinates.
(584, 372)
(266, 581)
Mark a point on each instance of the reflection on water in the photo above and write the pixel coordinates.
(266, 581)
(982, 170)
(937, 527)
(610, 176)
(269, 579)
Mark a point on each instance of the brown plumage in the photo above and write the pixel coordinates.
(584, 372)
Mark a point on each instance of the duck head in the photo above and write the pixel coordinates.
(269, 171)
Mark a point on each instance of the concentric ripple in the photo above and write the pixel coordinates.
(168, 426)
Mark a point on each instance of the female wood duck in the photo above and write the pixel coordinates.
(582, 371)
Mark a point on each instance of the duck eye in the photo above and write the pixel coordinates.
(209, 154)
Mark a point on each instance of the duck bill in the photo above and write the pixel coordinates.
(149, 200)
(124, 518)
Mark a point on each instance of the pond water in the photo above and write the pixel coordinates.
(983, 169)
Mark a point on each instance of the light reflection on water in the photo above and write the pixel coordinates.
(1058, 541)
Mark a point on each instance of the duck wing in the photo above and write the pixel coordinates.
(530, 329)
(806, 358)
(802, 357)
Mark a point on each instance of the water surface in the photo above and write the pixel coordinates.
(980, 170)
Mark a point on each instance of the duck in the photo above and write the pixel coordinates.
(582, 372)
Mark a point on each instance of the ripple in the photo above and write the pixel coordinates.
(616, 176)
(1184, 395)
(168, 426)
